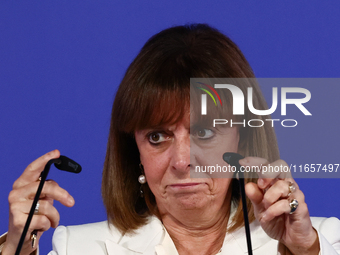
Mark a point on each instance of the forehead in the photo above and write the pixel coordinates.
(174, 123)
(157, 106)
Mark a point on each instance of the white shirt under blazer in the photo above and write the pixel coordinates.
(153, 239)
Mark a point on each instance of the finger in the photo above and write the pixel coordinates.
(268, 172)
(280, 189)
(10, 248)
(45, 208)
(33, 170)
(283, 206)
(256, 162)
(300, 197)
(27, 246)
(255, 194)
(40, 223)
(275, 210)
(51, 190)
(253, 161)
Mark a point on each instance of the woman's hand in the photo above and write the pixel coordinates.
(20, 202)
(271, 198)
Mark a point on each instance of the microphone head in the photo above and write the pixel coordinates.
(67, 164)
(232, 158)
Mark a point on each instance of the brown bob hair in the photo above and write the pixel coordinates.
(156, 91)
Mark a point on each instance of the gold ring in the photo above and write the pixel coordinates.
(293, 206)
(36, 209)
(33, 238)
(291, 188)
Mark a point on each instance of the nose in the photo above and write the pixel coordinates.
(180, 158)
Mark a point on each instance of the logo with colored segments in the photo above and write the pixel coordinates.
(209, 93)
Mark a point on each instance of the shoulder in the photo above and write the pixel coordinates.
(329, 233)
(102, 238)
(328, 227)
(86, 239)
(323, 223)
(88, 232)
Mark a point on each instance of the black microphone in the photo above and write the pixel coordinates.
(67, 164)
(233, 160)
(62, 163)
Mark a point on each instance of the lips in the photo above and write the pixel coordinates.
(185, 184)
(189, 186)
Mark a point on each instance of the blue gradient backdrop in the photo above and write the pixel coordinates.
(61, 63)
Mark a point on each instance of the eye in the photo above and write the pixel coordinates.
(204, 133)
(157, 137)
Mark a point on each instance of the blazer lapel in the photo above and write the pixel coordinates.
(237, 240)
(143, 241)
(114, 249)
(149, 238)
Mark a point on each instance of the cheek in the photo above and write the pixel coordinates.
(223, 144)
(221, 186)
(152, 160)
(155, 168)
(233, 140)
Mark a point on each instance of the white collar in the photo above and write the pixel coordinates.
(153, 236)
(143, 239)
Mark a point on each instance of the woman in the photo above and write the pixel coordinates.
(153, 205)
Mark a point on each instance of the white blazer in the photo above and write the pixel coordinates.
(151, 239)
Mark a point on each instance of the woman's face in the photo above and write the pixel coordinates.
(165, 155)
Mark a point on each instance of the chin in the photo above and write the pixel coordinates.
(189, 201)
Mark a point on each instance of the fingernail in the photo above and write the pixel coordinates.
(260, 182)
(71, 200)
(242, 161)
(50, 153)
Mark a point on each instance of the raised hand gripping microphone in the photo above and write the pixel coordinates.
(63, 163)
(233, 160)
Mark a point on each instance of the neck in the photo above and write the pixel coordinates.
(197, 233)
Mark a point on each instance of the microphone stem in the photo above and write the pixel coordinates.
(43, 176)
(245, 213)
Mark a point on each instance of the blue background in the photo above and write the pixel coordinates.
(61, 63)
